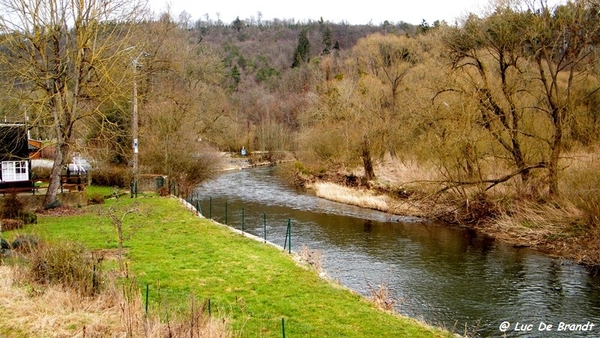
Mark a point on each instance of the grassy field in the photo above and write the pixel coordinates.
(182, 257)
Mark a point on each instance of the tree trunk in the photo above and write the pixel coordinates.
(367, 160)
(55, 177)
(556, 149)
(60, 156)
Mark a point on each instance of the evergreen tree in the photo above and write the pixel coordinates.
(236, 76)
(326, 39)
(336, 46)
(237, 24)
(302, 50)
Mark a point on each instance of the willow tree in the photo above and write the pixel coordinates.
(562, 45)
(521, 67)
(382, 63)
(59, 58)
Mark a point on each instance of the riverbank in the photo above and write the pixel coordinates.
(251, 285)
(556, 230)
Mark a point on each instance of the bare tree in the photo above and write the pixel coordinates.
(522, 67)
(180, 115)
(61, 58)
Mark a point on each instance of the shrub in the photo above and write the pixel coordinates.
(41, 173)
(111, 176)
(67, 264)
(11, 224)
(12, 207)
(163, 191)
(28, 217)
(96, 198)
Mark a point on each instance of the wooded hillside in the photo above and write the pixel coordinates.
(501, 105)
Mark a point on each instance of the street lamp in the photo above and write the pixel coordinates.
(134, 123)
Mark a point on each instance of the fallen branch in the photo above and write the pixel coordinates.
(493, 182)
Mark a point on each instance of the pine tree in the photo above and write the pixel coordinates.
(302, 50)
(326, 39)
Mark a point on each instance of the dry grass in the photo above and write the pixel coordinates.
(558, 229)
(396, 172)
(529, 223)
(314, 258)
(382, 296)
(52, 311)
(361, 198)
(29, 308)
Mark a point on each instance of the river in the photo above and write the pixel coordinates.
(446, 276)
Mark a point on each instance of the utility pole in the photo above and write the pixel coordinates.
(135, 124)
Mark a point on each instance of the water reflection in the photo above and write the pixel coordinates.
(447, 276)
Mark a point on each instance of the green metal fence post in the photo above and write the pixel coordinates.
(243, 220)
(225, 213)
(147, 291)
(290, 235)
(210, 208)
(287, 233)
(283, 327)
(265, 227)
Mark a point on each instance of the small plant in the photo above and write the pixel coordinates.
(163, 191)
(382, 296)
(66, 264)
(96, 198)
(11, 224)
(28, 217)
(12, 207)
(313, 258)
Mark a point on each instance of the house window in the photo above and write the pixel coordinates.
(14, 171)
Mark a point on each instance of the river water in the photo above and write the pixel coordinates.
(448, 277)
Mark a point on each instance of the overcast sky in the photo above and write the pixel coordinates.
(354, 12)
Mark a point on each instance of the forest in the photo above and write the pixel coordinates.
(491, 122)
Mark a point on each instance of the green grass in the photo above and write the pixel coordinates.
(179, 255)
(100, 190)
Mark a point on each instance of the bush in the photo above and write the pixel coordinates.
(96, 198)
(163, 191)
(12, 207)
(68, 265)
(28, 217)
(11, 224)
(111, 176)
(41, 173)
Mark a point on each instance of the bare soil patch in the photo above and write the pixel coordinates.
(63, 210)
